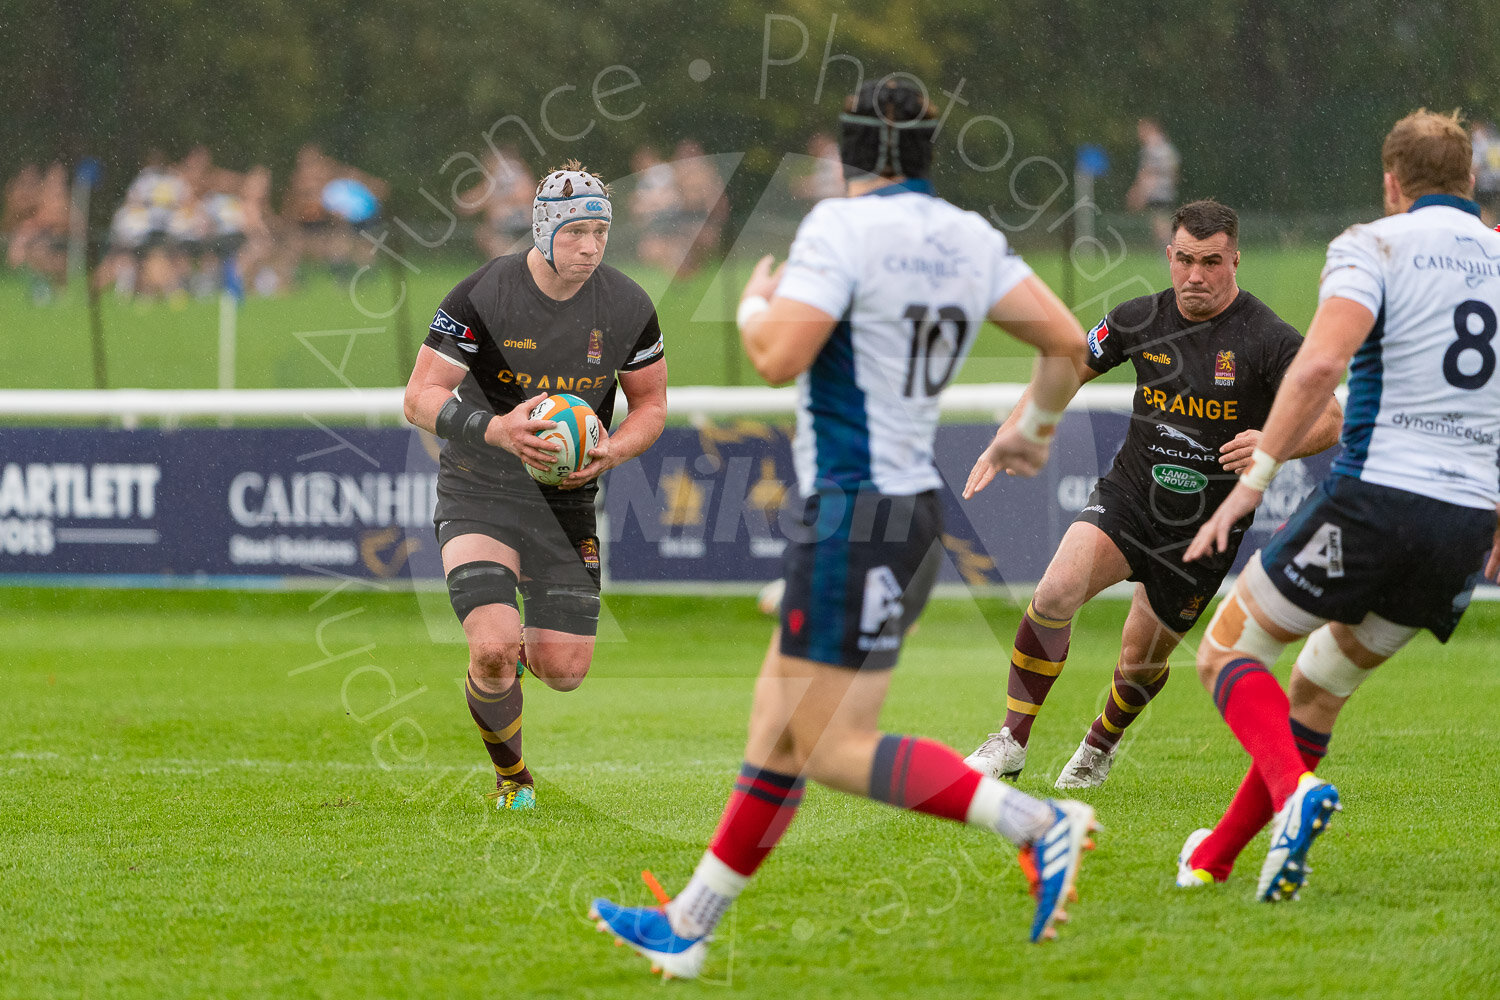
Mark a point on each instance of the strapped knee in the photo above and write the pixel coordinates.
(574, 610)
(1381, 637)
(1326, 665)
(1234, 627)
(475, 584)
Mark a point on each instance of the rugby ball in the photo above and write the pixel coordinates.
(577, 431)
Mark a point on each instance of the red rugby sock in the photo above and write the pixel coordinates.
(758, 812)
(1256, 710)
(1250, 809)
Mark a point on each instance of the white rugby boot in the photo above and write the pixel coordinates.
(999, 756)
(1087, 768)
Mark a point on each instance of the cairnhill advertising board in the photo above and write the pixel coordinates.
(705, 505)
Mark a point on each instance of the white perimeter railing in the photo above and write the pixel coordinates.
(132, 407)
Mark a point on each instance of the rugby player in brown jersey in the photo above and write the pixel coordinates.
(553, 318)
(1209, 357)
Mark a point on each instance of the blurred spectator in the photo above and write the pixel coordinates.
(203, 177)
(39, 243)
(504, 198)
(188, 230)
(1155, 187)
(23, 193)
(653, 207)
(1486, 170)
(822, 175)
(267, 262)
(225, 238)
(329, 203)
(143, 257)
(148, 263)
(302, 205)
(702, 206)
(125, 250)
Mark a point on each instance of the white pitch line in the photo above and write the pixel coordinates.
(180, 765)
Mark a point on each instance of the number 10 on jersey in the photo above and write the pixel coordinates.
(937, 343)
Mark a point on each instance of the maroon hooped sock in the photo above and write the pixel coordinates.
(498, 716)
(1127, 698)
(1040, 652)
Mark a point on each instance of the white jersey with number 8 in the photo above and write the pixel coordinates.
(1423, 413)
(911, 278)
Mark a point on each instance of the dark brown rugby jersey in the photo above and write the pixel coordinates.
(517, 341)
(1198, 385)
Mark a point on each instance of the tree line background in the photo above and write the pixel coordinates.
(1274, 105)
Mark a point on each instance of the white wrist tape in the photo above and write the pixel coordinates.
(750, 308)
(1038, 425)
(1263, 469)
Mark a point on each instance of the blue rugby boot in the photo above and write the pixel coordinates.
(647, 930)
(1051, 863)
(1306, 814)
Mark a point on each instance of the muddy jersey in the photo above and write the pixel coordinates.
(1198, 385)
(516, 341)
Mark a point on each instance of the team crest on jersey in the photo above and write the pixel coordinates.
(1096, 339)
(447, 325)
(596, 347)
(588, 551)
(1224, 368)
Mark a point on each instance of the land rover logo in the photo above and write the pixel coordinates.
(1179, 480)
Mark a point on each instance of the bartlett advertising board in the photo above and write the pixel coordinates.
(196, 504)
(705, 504)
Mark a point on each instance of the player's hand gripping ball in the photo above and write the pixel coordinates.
(577, 431)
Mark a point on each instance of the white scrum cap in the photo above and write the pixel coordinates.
(565, 196)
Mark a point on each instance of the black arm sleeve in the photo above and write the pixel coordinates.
(460, 421)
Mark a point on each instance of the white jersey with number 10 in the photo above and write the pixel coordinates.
(1424, 395)
(910, 278)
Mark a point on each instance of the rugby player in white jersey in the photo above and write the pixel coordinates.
(1395, 539)
(872, 316)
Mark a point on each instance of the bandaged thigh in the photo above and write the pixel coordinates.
(1235, 627)
(1324, 663)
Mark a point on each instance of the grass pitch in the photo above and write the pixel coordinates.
(325, 336)
(256, 795)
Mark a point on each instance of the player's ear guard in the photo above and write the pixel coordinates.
(562, 197)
